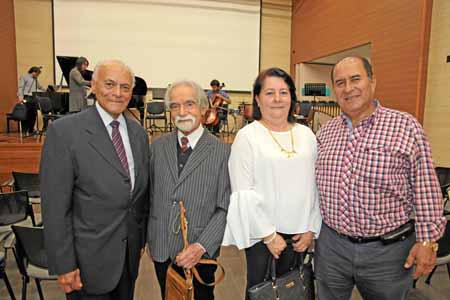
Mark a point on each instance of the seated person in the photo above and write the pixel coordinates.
(218, 98)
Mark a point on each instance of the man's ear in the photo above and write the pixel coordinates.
(373, 83)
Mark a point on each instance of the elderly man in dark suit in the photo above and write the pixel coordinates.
(94, 188)
(188, 164)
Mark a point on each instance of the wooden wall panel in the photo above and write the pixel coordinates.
(398, 33)
(437, 104)
(34, 35)
(8, 81)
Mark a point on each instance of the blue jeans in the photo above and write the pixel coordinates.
(374, 268)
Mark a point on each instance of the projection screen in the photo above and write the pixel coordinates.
(165, 40)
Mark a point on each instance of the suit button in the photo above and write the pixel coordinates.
(124, 239)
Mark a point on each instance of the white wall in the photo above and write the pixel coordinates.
(164, 40)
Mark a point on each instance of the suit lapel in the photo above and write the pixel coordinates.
(171, 155)
(197, 156)
(135, 146)
(99, 139)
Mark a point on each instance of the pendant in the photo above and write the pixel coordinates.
(290, 153)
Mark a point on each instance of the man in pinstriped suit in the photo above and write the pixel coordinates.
(188, 164)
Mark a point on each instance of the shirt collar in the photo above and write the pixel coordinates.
(367, 121)
(107, 118)
(193, 137)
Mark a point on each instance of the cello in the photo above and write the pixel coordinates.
(212, 115)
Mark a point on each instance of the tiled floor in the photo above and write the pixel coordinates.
(231, 288)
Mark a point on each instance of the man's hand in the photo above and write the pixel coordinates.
(20, 100)
(190, 257)
(424, 257)
(277, 245)
(71, 281)
(302, 241)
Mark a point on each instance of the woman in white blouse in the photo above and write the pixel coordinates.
(274, 195)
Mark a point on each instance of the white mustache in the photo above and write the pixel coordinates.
(186, 118)
(180, 122)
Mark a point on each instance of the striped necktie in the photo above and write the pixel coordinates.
(118, 145)
(184, 144)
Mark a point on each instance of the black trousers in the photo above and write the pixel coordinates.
(123, 291)
(31, 105)
(201, 292)
(258, 256)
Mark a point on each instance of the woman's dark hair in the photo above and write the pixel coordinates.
(259, 82)
(80, 61)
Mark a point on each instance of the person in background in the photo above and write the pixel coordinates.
(374, 169)
(219, 99)
(78, 86)
(274, 195)
(27, 85)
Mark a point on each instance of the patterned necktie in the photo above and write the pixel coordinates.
(118, 145)
(184, 144)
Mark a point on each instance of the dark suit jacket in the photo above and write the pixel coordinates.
(203, 185)
(89, 213)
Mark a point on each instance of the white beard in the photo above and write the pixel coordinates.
(185, 124)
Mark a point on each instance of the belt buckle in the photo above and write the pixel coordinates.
(353, 239)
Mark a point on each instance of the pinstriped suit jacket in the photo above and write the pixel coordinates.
(203, 185)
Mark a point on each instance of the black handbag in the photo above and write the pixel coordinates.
(297, 284)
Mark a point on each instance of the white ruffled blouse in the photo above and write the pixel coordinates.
(271, 192)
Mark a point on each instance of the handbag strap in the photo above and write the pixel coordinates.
(183, 227)
(298, 263)
(209, 262)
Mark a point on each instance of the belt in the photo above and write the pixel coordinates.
(356, 239)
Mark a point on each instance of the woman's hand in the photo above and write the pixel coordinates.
(302, 241)
(276, 244)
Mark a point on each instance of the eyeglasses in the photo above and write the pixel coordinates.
(187, 105)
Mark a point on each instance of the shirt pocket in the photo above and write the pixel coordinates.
(379, 179)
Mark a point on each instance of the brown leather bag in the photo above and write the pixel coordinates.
(182, 288)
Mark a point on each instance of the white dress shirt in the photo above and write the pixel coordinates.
(271, 192)
(193, 137)
(107, 119)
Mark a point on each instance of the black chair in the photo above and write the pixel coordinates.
(18, 114)
(14, 209)
(28, 182)
(155, 110)
(305, 107)
(443, 255)
(4, 276)
(443, 175)
(47, 111)
(31, 257)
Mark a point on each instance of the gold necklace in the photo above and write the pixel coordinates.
(288, 153)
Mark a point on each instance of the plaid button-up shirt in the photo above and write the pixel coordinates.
(373, 176)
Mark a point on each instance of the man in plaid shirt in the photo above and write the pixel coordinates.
(374, 169)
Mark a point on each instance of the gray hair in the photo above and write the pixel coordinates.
(200, 96)
(104, 63)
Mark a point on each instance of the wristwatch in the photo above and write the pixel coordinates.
(433, 245)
